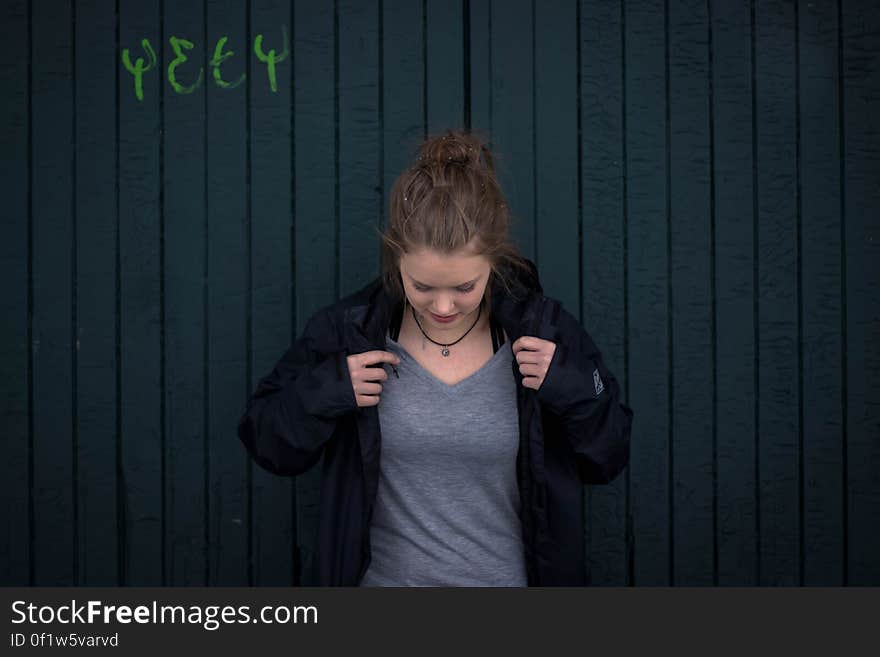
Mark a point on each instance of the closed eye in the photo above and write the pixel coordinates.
(460, 289)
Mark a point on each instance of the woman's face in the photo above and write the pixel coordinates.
(444, 286)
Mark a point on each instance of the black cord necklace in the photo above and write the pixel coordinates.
(445, 350)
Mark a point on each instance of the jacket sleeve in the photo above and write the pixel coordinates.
(294, 410)
(585, 397)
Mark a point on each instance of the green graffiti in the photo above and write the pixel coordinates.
(271, 59)
(139, 69)
(176, 46)
(181, 47)
(218, 58)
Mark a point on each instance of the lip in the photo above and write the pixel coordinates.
(444, 320)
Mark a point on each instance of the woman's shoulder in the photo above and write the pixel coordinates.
(335, 310)
(324, 327)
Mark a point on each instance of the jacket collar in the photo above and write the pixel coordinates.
(517, 311)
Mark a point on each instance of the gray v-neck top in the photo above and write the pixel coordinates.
(447, 504)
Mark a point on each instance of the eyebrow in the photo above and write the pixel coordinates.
(471, 282)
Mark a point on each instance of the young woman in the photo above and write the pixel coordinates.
(457, 410)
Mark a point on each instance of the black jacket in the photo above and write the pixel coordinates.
(573, 429)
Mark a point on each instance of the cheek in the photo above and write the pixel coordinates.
(418, 298)
(468, 303)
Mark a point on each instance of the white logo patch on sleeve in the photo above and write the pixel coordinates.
(597, 382)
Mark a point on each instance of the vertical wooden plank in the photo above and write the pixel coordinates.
(227, 292)
(140, 143)
(96, 61)
(404, 89)
(861, 150)
(480, 65)
(604, 257)
(359, 156)
(735, 293)
(274, 536)
(691, 253)
(403, 80)
(316, 218)
(184, 275)
(557, 213)
(778, 414)
(15, 381)
(556, 153)
(53, 266)
(647, 267)
(445, 64)
(513, 114)
(822, 383)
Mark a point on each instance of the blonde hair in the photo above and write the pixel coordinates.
(447, 199)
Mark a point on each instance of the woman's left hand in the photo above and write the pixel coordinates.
(534, 356)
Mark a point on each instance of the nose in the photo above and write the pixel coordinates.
(443, 306)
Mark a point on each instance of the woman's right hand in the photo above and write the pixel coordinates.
(365, 369)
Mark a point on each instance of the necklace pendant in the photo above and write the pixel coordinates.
(444, 351)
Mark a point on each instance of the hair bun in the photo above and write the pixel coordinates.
(454, 147)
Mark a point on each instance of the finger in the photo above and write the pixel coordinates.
(376, 356)
(371, 374)
(531, 382)
(542, 357)
(368, 388)
(526, 356)
(367, 400)
(529, 369)
(528, 342)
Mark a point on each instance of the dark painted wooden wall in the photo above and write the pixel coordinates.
(698, 181)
